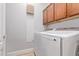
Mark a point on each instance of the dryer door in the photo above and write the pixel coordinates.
(51, 45)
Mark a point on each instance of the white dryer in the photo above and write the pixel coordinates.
(56, 43)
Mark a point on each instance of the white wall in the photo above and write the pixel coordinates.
(35, 23)
(39, 16)
(29, 27)
(66, 24)
(18, 27)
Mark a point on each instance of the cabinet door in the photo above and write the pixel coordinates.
(50, 14)
(72, 9)
(60, 11)
(45, 16)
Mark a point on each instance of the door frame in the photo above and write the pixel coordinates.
(3, 27)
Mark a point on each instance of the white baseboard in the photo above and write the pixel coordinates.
(19, 52)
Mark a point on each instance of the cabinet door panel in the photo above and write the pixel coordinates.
(50, 13)
(45, 17)
(72, 9)
(60, 11)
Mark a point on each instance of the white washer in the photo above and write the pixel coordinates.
(56, 43)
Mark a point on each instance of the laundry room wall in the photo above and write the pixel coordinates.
(66, 24)
(39, 16)
(19, 27)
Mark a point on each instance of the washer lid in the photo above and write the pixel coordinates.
(61, 33)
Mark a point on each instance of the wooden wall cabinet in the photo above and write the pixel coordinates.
(72, 9)
(60, 11)
(50, 11)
